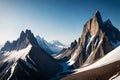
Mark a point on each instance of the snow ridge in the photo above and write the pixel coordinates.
(15, 55)
(107, 59)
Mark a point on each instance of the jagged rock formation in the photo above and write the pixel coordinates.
(97, 39)
(66, 53)
(21, 43)
(24, 59)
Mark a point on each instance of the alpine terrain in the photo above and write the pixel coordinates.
(52, 47)
(94, 56)
(24, 59)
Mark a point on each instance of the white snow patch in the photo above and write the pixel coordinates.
(88, 59)
(15, 55)
(96, 42)
(115, 77)
(89, 42)
(74, 56)
(111, 57)
(58, 56)
(70, 62)
(54, 46)
(12, 70)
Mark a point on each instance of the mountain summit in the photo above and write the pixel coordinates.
(25, 39)
(94, 43)
(96, 52)
(95, 40)
(24, 59)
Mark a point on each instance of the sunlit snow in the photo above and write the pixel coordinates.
(104, 61)
(15, 55)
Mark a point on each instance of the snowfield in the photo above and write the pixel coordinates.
(115, 77)
(111, 57)
(15, 55)
(72, 60)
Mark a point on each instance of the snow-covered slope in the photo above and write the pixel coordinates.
(106, 68)
(94, 43)
(57, 43)
(15, 55)
(50, 47)
(115, 77)
(111, 57)
(24, 59)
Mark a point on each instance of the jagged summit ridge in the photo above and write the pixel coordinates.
(22, 42)
(94, 24)
(97, 15)
(95, 41)
(25, 59)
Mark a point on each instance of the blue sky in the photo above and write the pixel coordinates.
(61, 20)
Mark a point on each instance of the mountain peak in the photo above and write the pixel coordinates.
(94, 25)
(28, 31)
(28, 37)
(22, 42)
(97, 16)
(108, 21)
(22, 34)
(97, 12)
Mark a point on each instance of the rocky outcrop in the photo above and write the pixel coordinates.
(95, 40)
(22, 62)
(66, 53)
(21, 43)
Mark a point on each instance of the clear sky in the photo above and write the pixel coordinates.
(61, 20)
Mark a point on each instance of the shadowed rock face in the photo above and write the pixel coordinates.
(21, 43)
(97, 39)
(44, 65)
(36, 65)
(66, 54)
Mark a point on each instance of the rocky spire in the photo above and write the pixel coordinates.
(26, 38)
(95, 40)
(23, 41)
(108, 23)
(97, 15)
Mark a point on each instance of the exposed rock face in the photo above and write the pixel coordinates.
(21, 43)
(97, 39)
(38, 66)
(66, 53)
(33, 64)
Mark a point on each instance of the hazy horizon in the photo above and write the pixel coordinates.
(61, 20)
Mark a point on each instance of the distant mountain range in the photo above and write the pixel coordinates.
(50, 47)
(94, 56)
